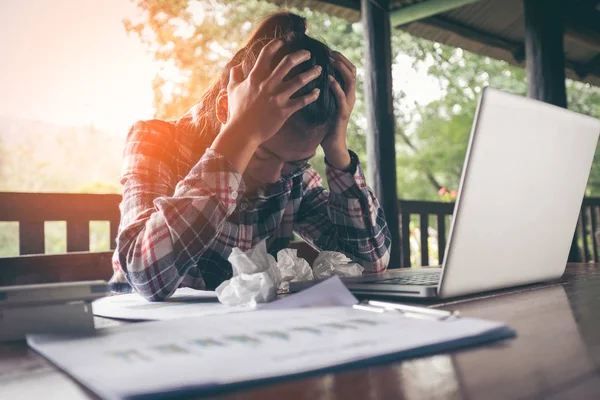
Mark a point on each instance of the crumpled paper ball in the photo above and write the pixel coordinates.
(329, 263)
(292, 268)
(255, 278)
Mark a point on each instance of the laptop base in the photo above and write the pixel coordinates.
(385, 284)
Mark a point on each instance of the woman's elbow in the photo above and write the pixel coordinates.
(140, 277)
(378, 265)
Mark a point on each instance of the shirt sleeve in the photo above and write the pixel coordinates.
(167, 225)
(347, 218)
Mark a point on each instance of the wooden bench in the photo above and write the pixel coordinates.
(79, 266)
(586, 240)
(32, 210)
(49, 268)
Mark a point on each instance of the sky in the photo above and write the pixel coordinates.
(70, 62)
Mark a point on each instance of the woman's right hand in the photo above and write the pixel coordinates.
(260, 103)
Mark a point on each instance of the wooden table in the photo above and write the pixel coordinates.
(556, 355)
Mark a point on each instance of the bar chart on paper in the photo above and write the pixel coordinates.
(205, 353)
(257, 340)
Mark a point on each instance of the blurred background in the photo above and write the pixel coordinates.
(76, 74)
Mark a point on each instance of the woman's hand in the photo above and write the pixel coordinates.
(259, 104)
(334, 145)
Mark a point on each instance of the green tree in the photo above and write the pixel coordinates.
(436, 144)
(197, 38)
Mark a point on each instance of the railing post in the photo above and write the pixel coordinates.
(31, 237)
(441, 227)
(424, 228)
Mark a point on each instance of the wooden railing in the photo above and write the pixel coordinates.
(424, 209)
(32, 210)
(587, 235)
(48, 268)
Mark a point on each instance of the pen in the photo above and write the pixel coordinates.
(409, 311)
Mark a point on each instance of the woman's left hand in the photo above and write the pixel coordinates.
(334, 145)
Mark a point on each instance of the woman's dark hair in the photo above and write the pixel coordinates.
(291, 28)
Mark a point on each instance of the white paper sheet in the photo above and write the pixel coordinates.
(201, 353)
(187, 302)
(331, 292)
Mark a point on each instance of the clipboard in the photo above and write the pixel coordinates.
(291, 337)
(247, 348)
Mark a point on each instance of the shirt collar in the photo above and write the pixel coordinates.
(280, 186)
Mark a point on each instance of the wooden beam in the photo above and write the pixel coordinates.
(46, 268)
(59, 206)
(582, 24)
(516, 49)
(588, 67)
(587, 38)
(427, 8)
(584, 29)
(381, 146)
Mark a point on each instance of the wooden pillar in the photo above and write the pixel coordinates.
(544, 49)
(381, 151)
(544, 30)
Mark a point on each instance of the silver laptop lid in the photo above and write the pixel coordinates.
(523, 181)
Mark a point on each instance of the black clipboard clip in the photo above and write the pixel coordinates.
(405, 310)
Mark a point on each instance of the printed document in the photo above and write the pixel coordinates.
(202, 354)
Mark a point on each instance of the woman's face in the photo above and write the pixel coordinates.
(283, 153)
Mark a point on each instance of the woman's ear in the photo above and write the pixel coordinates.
(222, 107)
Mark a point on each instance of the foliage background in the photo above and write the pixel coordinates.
(193, 40)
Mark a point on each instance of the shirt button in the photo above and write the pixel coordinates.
(234, 195)
(243, 206)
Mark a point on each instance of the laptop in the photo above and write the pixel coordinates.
(522, 185)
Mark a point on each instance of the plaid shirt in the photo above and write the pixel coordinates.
(184, 210)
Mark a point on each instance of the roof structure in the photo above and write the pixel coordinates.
(493, 28)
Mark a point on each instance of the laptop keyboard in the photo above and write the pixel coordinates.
(420, 278)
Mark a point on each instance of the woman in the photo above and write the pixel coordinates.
(234, 170)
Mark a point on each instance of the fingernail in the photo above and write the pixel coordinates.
(318, 68)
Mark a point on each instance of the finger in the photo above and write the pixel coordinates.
(236, 75)
(349, 77)
(302, 101)
(338, 92)
(342, 58)
(262, 68)
(291, 87)
(285, 66)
